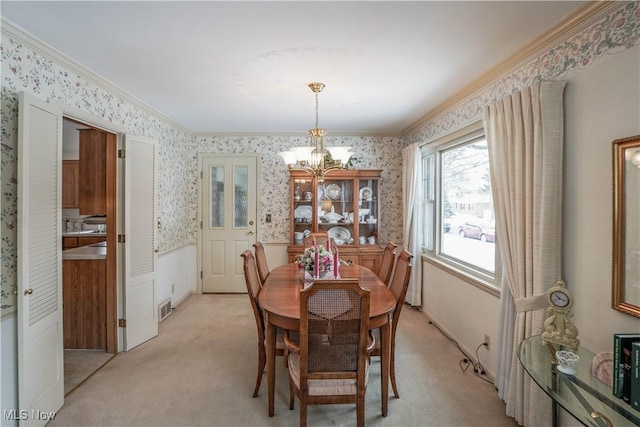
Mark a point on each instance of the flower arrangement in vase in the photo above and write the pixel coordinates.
(316, 260)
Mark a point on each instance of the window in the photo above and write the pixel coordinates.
(457, 206)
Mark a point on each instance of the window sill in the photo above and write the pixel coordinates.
(484, 285)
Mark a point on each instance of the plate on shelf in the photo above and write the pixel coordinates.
(366, 193)
(303, 212)
(332, 191)
(339, 234)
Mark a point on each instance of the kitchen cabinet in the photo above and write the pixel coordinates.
(76, 242)
(70, 184)
(345, 205)
(92, 193)
(84, 299)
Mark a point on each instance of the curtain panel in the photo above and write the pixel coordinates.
(525, 139)
(412, 225)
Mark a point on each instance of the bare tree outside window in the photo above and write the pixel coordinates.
(467, 205)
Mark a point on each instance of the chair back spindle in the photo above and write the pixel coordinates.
(261, 262)
(386, 266)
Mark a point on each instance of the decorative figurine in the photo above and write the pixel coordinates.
(558, 328)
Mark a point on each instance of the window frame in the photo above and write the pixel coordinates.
(483, 279)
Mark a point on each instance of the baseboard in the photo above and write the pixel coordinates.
(465, 351)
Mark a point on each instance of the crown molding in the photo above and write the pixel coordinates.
(9, 29)
(571, 25)
(298, 134)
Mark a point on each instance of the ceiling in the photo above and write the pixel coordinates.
(243, 67)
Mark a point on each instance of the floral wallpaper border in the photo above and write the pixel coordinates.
(610, 34)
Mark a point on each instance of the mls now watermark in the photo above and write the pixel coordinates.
(23, 415)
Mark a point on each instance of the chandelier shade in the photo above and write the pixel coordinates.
(313, 158)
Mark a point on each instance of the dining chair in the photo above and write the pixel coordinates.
(386, 266)
(399, 285)
(261, 262)
(330, 364)
(321, 239)
(254, 285)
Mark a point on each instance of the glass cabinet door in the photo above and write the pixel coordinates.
(367, 198)
(303, 209)
(336, 210)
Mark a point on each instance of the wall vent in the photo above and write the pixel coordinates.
(164, 309)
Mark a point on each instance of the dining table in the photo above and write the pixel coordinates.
(279, 299)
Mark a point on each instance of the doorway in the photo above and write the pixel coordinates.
(229, 219)
(90, 338)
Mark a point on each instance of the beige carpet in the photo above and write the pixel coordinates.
(201, 370)
(80, 365)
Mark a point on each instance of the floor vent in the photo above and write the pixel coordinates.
(164, 309)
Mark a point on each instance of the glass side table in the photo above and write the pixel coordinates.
(586, 398)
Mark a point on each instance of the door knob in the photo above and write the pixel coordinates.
(251, 233)
(28, 292)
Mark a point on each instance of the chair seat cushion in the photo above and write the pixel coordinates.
(325, 387)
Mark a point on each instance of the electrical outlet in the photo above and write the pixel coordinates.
(487, 341)
(267, 218)
(173, 288)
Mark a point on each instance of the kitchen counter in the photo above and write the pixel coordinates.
(88, 233)
(95, 251)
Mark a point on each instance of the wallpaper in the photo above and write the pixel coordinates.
(370, 153)
(24, 69)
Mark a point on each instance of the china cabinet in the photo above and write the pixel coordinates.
(346, 205)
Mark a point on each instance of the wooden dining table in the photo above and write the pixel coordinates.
(280, 301)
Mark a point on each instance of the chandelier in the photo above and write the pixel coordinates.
(313, 158)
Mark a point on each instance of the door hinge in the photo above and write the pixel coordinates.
(120, 238)
(201, 275)
(121, 154)
(200, 225)
(122, 323)
(201, 175)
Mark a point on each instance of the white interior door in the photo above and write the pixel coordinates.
(40, 340)
(229, 212)
(140, 233)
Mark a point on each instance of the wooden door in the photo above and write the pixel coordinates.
(229, 212)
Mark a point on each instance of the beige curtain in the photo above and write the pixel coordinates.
(412, 225)
(525, 138)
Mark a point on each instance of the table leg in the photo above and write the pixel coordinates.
(385, 356)
(271, 364)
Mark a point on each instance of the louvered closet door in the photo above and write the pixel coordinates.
(140, 258)
(40, 341)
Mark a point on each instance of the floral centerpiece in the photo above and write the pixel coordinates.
(306, 261)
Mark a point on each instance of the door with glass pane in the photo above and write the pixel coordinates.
(229, 217)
